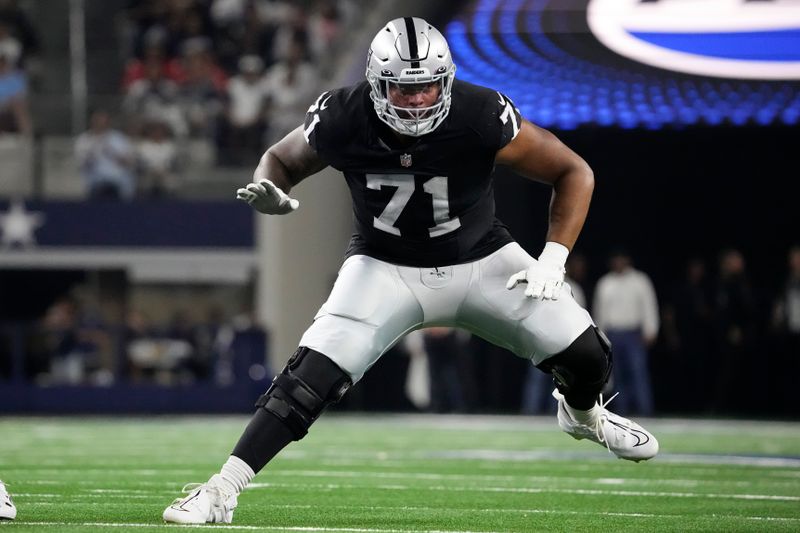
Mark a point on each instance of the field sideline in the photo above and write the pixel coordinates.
(404, 474)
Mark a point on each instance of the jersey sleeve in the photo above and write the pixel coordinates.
(322, 126)
(502, 120)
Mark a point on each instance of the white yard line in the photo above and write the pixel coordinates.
(55, 427)
(247, 528)
(538, 490)
(365, 457)
(539, 455)
(377, 530)
(532, 511)
(48, 471)
(93, 482)
(519, 478)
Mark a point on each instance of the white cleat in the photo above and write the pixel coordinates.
(204, 503)
(625, 439)
(7, 509)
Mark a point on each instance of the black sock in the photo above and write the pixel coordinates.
(581, 400)
(263, 438)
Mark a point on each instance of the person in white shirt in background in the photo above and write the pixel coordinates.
(291, 84)
(243, 140)
(106, 158)
(158, 161)
(626, 309)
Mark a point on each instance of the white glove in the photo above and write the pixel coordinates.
(265, 197)
(544, 276)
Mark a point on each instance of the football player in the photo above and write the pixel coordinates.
(7, 509)
(417, 148)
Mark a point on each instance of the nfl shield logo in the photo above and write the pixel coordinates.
(405, 160)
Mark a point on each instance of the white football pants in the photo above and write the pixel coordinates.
(374, 303)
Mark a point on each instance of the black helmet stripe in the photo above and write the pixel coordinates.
(411, 35)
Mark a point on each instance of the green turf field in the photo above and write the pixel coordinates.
(405, 474)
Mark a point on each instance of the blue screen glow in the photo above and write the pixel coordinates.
(560, 76)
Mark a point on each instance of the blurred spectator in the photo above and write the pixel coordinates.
(292, 30)
(275, 12)
(786, 323)
(734, 322)
(158, 162)
(292, 86)
(14, 23)
(197, 365)
(688, 339)
(159, 360)
(242, 348)
(137, 328)
(537, 391)
(59, 328)
(154, 97)
(241, 138)
(206, 333)
(786, 312)
(229, 12)
(575, 277)
(445, 350)
(78, 343)
(324, 29)
(142, 16)
(166, 357)
(106, 159)
(243, 29)
(441, 375)
(177, 19)
(202, 90)
(417, 386)
(191, 26)
(626, 309)
(14, 114)
(154, 53)
(9, 43)
(6, 352)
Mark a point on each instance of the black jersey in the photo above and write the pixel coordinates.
(427, 203)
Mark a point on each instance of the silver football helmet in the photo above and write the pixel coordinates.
(409, 51)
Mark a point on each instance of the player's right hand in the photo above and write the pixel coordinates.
(265, 197)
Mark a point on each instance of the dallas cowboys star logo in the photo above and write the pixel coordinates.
(18, 225)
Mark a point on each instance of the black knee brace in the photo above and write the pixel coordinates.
(582, 370)
(308, 384)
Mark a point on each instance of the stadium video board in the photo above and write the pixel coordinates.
(636, 63)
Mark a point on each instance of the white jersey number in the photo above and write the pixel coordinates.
(509, 113)
(436, 187)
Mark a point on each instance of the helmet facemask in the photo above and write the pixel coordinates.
(412, 121)
(397, 65)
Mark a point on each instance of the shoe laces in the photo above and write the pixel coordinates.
(600, 425)
(217, 495)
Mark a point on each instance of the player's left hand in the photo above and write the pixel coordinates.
(544, 276)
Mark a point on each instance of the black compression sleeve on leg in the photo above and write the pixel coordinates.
(263, 438)
(308, 384)
(582, 370)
